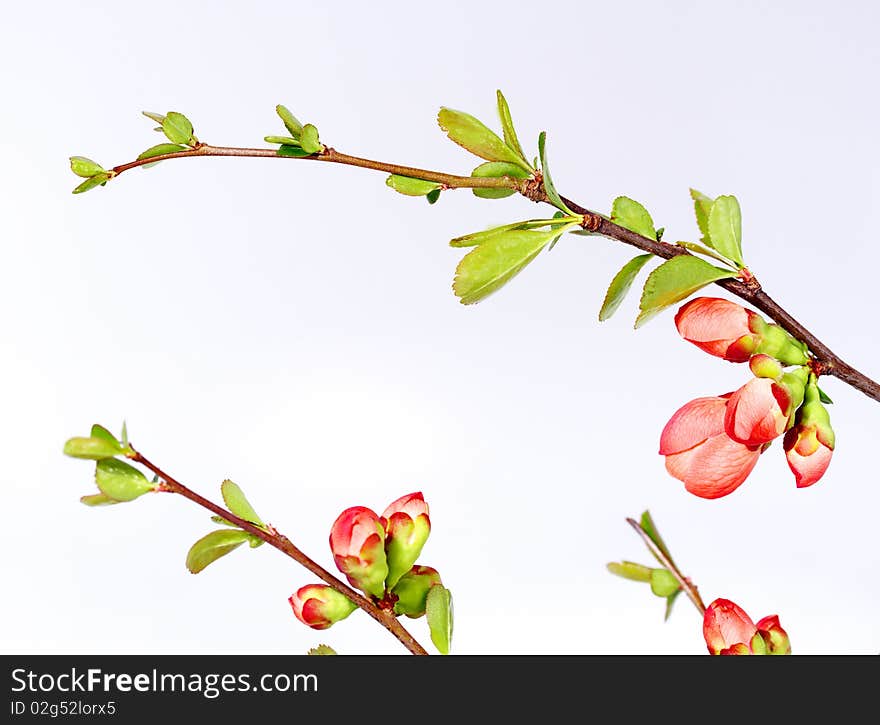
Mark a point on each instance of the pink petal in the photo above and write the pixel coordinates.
(691, 424)
(725, 625)
(713, 324)
(753, 414)
(714, 468)
(808, 469)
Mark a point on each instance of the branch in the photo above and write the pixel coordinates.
(825, 362)
(687, 586)
(286, 546)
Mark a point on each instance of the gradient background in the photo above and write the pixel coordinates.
(291, 325)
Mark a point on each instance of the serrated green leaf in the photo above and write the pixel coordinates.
(673, 281)
(432, 196)
(663, 583)
(212, 546)
(496, 261)
(157, 117)
(648, 526)
(631, 215)
(510, 137)
(473, 135)
(291, 123)
(91, 183)
(725, 228)
(224, 522)
(160, 150)
(700, 249)
(84, 167)
(823, 397)
(296, 152)
(495, 170)
(120, 481)
(177, 127)
(438, 612)
(93, 449)
(630, 570)
(285, 140)
(97, 499)
(702, 207)
(237, 503)
(670, 600)
(621, 284)
(309, 139)
(475, 238)
(549, 187)
(410, 186)
(322, 649)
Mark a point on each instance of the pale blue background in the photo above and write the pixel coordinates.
(291, 325)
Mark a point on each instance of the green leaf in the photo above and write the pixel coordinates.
(510, 137)
(160, 150)
(549, 188)
(670, 600)
(295, 151)
(224, 522)
(88, 184)
(663, 583)
(212, 546)
(93, 449)
(648, 526)
(291, 123)
(700, 249)
(255, 541)
(177, 127)
(309, 139)
(473, 135)
(438, 612)
(475, 238)
(157, 117)
(120, 481)
(702, 207)
(621, 284)
(631, 215)
(823, 397)
(410, 186)
(496, 261)
(630, 570)
(660, 233)
(725, 228)
(123, 437)
(97, 499)
(99, 431)
(673, 281)
(495, 170)
(81, 166)
(432, 196)
(322, 649)
(238, 504)
(286, 140)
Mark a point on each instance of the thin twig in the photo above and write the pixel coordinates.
(286, 546)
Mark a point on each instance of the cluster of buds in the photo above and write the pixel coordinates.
(377, 554)
(712, 444)
(728, 630)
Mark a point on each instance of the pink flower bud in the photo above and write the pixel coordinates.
(727, 629)
(319, 606)
(407, 526)
(758, 412)
(720, 327)
(774, 636)
(808, 446)
(357, 540)
(700, 453)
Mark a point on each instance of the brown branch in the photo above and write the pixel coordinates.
(286, 546)
(687, 586)
(826, 362)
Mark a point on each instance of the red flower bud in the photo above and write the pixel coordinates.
(808, 446)
(357, 540)
(774, 636)
(320, 606)
(728, 630)
(407, 526)
(700, 453)
(719, 327)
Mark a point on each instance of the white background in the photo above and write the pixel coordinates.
(290, 325)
